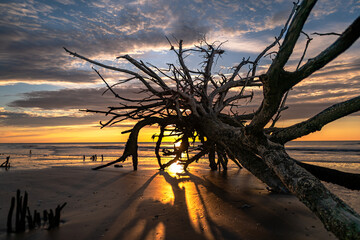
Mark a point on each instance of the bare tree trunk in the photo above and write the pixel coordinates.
(229, 138)
(345, 179)
(336, 215)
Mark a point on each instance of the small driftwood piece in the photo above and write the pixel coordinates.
(9, 219)
(54, 220)
(35, 221)
(6, 164)
(23, 214)
(20, 215)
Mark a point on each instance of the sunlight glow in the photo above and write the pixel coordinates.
(165, 194)
(177, 144)
(175, 169)
(157, 233)
(197, 209)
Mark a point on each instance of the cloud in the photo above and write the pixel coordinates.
(327, 7)
(66, 2)
(8, 118)
(89, 98)
(28, 119)
(306, 110)
(32, 33)
(280, 16)
(243, 44)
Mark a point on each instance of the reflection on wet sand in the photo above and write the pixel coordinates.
(194, 202)
(175, 169)
(176, 207)
(196, 209)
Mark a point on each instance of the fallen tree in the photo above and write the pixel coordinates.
(197, 104)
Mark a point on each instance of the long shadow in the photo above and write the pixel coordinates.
(175, 218)
(114, 179)
(240, 200)
(216, 231)
(137, 194)
(178, 219)
(159, 213)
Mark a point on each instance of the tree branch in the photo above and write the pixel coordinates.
(347, 38)
(291, 37)
(315, 123)
(277, 39)
(345, 179)
(138, 76)
(131, 145)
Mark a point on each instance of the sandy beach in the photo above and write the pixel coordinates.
(148, 204)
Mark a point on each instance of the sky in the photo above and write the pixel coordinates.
(42, 88)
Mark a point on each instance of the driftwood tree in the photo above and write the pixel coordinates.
(198, 104)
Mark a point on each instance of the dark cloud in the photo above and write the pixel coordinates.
(306, 110)
(26, 120)
(8, 118)
(36, 58)
(74, 98)
(92, 98)
(35, 53)
(296, 110)
(32, 33)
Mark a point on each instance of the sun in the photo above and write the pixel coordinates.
(175, 168)
(177, 144)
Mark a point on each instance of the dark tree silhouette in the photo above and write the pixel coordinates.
(198, 104)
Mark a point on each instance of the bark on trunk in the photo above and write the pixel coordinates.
(229, 138)
(345, 179)
(336, 215)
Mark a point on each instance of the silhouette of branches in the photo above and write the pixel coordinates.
(200, 105)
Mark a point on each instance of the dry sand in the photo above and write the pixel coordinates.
(148, 204)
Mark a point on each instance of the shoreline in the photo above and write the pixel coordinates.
(151, 204)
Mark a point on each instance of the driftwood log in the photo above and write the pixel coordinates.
(198, 105)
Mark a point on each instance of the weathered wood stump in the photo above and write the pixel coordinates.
(23, 214)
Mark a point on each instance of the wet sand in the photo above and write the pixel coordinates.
(148, 204)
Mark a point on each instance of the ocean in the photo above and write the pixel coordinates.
(341, 155)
